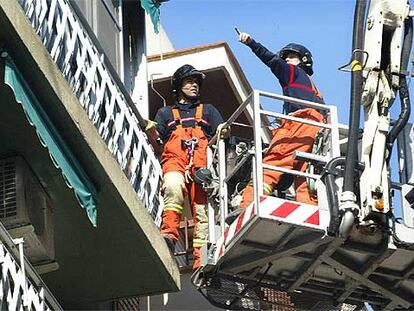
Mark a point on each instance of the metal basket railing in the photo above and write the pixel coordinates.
(253, 104)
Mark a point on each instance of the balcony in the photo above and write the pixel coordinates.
(76, 85)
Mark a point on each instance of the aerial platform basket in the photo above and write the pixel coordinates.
(282, 259)
(278, 255)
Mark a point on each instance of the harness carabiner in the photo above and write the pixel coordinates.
(190, 145)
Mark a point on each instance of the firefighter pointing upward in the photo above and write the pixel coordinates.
(293, 68)
(185, 128)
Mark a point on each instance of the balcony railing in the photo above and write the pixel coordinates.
(22, 287)
(105, 100)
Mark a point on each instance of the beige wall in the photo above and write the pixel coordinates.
(157, 43)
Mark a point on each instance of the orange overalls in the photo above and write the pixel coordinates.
(289, 137)
(179, 157)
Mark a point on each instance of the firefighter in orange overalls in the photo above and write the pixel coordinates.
(185, 128)
(292, 66)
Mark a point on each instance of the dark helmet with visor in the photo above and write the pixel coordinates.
(183, 72)
(305, 56)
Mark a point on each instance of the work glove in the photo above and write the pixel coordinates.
(223, 131)
(245, 38)
(150, 125)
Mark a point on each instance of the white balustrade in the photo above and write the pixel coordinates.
(105, 102)
(22, 287)
(18, 293)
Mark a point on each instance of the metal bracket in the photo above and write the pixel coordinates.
(343, 68)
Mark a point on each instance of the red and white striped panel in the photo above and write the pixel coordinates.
(230, 232)
(290, 211)
(270, 207)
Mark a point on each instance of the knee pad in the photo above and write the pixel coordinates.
(173, 188)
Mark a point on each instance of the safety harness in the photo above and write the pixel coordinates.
(191, 143)
(291, 83)
(178, 121)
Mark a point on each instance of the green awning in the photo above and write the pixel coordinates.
(60, 153)
(152, 7)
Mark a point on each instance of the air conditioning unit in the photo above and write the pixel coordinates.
(26, 212)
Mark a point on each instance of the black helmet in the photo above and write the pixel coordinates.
(304, 53)
(184, 72)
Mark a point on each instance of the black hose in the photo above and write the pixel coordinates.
(403, 88)
(328, 178)
(407, 43)
(356, 92)
(332, 194)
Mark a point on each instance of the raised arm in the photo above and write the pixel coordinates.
(277, 65)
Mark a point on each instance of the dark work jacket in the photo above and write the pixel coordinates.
(164, 117)
(293, 79)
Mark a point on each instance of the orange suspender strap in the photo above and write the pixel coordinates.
(178, 121)
(199, 114)
(315, 90)
(177, 117)
(301, 86)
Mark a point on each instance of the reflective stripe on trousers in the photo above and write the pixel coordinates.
(174, 191)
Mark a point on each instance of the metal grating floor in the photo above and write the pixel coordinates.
(232, 293)
(317, 271)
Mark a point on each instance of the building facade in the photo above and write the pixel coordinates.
(81, 183)
(80, 202)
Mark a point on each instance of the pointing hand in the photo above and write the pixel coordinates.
(245, 38)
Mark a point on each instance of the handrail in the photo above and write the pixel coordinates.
(253, 101)
(302, 102)
(32, 277)
(233, 117)
(152, 137)
(82, 61)
(107, 62)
